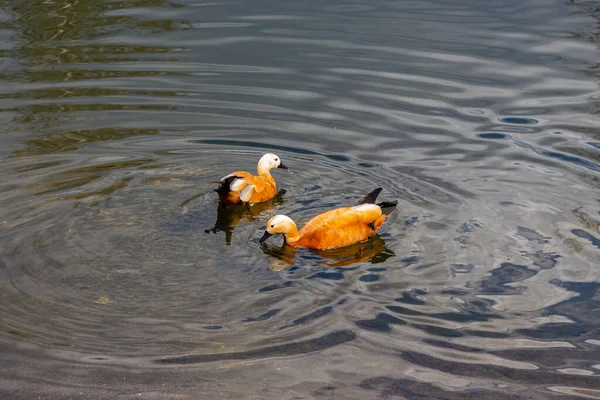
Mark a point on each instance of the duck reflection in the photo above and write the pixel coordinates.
(373, 251)
(229, 216)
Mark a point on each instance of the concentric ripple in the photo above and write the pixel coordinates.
(122, 277)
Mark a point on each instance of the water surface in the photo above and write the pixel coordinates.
(121, 277)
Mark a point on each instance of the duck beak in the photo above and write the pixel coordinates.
(265, 237)
(282, 166)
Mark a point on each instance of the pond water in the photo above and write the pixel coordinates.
(121, 277)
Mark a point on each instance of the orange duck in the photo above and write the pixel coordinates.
(242, 187)
(335, 228)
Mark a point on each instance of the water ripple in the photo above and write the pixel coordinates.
(117, 264)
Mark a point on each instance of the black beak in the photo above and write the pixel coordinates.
(265, 237)
(282, 166)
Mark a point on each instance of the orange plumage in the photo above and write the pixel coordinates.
(336, 228)
(243, 187)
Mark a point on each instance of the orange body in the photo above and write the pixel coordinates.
(338, 228)
(243, 187)
(262, 188)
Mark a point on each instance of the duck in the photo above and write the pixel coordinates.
(241, 187)
(335, 228)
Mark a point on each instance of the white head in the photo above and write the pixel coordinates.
(270, 161)
(279, 224)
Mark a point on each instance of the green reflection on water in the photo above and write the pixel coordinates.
(54, 40)
(79, 177)
(73, 140)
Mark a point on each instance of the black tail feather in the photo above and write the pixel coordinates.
(387, 206)
(225, 184)
(369, 197)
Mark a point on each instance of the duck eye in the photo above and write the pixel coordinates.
(272, 226)
(276, 159)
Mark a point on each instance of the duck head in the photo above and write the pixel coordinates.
(280, 224)
(270, 161)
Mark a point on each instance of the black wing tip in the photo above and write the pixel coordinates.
(387, 206)
(369, 197)
(225, 184)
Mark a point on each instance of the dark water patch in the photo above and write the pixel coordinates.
(554, 358)
(436, 226)
(285, 350)
(100, 358)
(411, 221)
(586, 290)
(438, 330)
(531, 235)
(370, 278)
(570, 159)
(461, 269)
(309, 317)
(262, 317)
(332, 276)
(452, 346)
(337, 157)
(506, 273)
(412, 297)
(465, 317)
(326, 390)
(519, 121)
(468, 227)
(494, 136)
(585, 235)
(553, 331)
(584, 308)
(276, 286)
(366, 165)
(491, 371)
(409, 389)
(410, 261)
(403, 310)
(544, 260)
(454, 292)
(480, 305)
(486, 334)
(579, 161)
(381, 323)
(213, 327)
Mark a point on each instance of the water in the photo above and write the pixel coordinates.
(120, 277)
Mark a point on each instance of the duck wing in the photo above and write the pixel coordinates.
(257, 189)
(340, 227)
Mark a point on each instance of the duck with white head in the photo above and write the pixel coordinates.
(336, 228)
(242, 187)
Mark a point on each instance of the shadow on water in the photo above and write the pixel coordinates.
(229, 216)
(372, 251)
